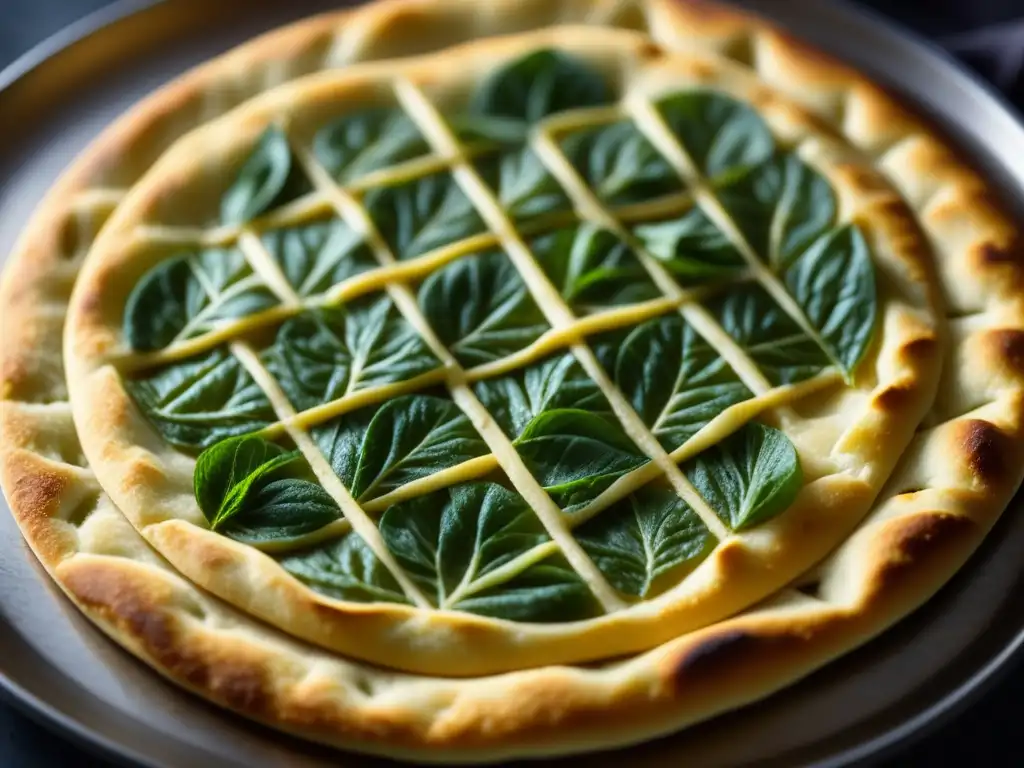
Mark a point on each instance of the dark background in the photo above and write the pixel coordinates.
(988, 35)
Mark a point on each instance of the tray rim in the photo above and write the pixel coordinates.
(904, 734)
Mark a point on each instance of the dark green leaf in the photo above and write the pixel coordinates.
(345, 569)
(367, 141)
(593, 269)
(620, 165)
(202, 401)
(722, 135)
(423, 215)
(692, 247)
(316, 257)
(644, 538)
(540, 84)
(523, 185)
(576, 454)
(447, 541)
(833, 281)
(770, 337)
(227, 466)
(267, 179)
(405, 439)
(749, 478)
(280, 511)
(549, 592)
(257, 492)
(781, 207)
(325, 354)
(674, 379)
(555, 383)
(190, 295)
(480, 308)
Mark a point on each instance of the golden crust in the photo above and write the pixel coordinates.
(950, 487)
(151, 483)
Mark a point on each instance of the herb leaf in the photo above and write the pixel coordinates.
(692, 247)
(480, 308)
(643, 538)
(722, 135)
(316, 257)
(325, 354)
(451, 539)
(620, 165)
(781, 206)
(674, 379)
(748, 478)
(423, 215)
(266, 180)
(523, 185)
(256, 492)
(554, 383)
(539, 84)
(405, 439)
(345, 569)
(593, 269)
(770, 337)
(190, 295)
(367, 141)
(576, 454)
(202, 401)
(833, 281)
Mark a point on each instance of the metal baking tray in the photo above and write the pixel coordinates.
(60, 668)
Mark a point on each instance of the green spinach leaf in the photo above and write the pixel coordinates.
(451, 539)
(190, 295)
(674, 379)
(201, 401)
(781, 206)
(692, 248)
(480, 308)
(576, 454)
(722, 135)
(748, 478)
(267, 179)
(833, 281)
(423, 215)
(345, 569)
(645, 538)
(256, 492)
(524, 187)
(367, 141)
(539, 84)
(620, 165)
(770, 337)
(316, 257)
(593, 269)
(378, 449)
(325, 354)
(557, 382)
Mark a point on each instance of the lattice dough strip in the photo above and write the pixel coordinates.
(550, 302)
(357, 518)
(522, 480)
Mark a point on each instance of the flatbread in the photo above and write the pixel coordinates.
(954, 478)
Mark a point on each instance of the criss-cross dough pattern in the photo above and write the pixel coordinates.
(953, 481)
(847, 447)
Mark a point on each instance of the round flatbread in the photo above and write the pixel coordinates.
(952, 480)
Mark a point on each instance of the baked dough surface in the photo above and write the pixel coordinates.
(948, 487)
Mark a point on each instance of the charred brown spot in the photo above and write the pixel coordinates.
(113, 595)
(715, 654)
(914, 544)
(1007, 344)
(895, 397)
(986, 449)
(996, 254)
(39, 492)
